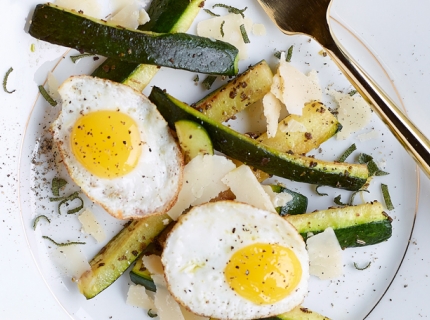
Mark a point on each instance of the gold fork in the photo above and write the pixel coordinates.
(310, 17)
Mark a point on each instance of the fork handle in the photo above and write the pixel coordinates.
(403, 129)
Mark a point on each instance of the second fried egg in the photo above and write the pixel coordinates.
(229, 260)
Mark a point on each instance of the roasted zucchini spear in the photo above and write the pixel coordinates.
(240, 147)
(165, 16)
(173, 50)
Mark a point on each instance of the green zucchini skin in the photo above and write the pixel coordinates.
(369, 233)
(252, 153)
(297, 205)
(354, 226)
(168, 15)
(119, 253)
(165, 16)
(179, 50)
(193, 139)
(143, 280)
(115, 70)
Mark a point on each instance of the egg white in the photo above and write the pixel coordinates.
(153, 185)
(200, 245)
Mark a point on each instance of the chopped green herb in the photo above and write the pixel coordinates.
(338, 202)
(151, 314)
(231, 9)
(289, 54)
(374, 170)
(387, 198)
(364, 158)
(320, 193)
(362, 268)
(221, 28)
(244, 34)
(371, 165)
(65, 244)
(63, 200)
(5, 81)
(346, 154)
(47, 97)
(36, 220)
(351, 201)
(196, 79)
(56, 185)
(80, 56)
(379, 173)
(352, 92)
(208, 82)
(211, 13)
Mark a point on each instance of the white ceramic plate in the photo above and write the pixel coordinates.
(352, 296)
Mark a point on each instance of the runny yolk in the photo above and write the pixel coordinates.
(263, 273)
(106, 143)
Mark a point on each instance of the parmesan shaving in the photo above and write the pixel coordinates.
(353, 113)
(278, 199)
(325, 255)
(272, 110)
(211, 28)
(372, 134)
(258, 29)
(138, 297)
(90, 8)
(130, 16)
(153, 264)
(53, 86)
(191, 316)
(71, 260)
(247, 189)
(294, 88)
(277, 86)
(202, 182)
(166, 305)
(292, 126)
(91, 226)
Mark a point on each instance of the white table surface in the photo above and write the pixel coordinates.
(404, 50)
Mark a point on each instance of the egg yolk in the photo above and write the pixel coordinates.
(263, 273)
(107, 143)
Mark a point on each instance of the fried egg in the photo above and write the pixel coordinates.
(230, 260)
(117, 147)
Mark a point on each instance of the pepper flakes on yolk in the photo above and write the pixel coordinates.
(263, 273)
(107, 143)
